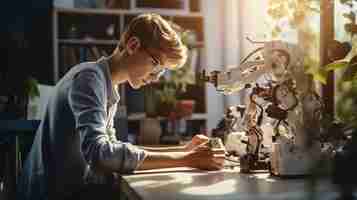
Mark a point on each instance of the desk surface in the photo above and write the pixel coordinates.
(228, 184)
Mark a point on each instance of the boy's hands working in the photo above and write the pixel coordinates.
(197, 155)
(202, 157)
(196, 141)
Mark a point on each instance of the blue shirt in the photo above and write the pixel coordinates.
(75, 143)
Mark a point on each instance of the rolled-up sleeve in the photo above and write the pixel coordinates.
(88, 99)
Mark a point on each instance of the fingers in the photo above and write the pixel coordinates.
(216, 163)
(201, 136)
(199, 139)
(210, 160)
(202, 147)
(214, 152)
(196, 141)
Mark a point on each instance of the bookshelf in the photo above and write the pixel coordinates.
(85, 34)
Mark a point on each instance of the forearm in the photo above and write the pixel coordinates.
(164, 149)
(155, 160)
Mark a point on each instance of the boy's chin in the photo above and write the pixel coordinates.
(135, 86)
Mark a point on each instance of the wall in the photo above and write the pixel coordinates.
(253, 23)
(213, 28)
(227, 23)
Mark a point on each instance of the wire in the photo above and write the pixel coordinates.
(250, 54)
(230, 160)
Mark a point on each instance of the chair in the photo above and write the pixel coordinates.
(16, 137)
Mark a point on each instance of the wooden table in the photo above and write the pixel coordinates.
(227, 184)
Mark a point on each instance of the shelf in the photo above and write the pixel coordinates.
(99, 11)
(140, 116)
(136, 116)
(99, 28)
(88, 42)
(98, 42)
(196, 45)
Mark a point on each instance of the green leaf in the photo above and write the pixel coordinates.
(351, 16)
(349, 73)
(31, 87)
(336, 65)
(321, 76)
(344, 86)
(346, 109)
(344, 1)
(276, 31)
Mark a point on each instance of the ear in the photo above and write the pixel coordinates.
(133, 45)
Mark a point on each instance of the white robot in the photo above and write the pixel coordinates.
(290, 102)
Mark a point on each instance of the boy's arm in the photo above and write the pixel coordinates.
(88, 100)
(195, 141)
(156, 160)
(201, 158)
(163, 149)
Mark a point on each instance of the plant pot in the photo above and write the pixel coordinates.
(164, 109)
(150, 132)
(150, 102)
(184, 108)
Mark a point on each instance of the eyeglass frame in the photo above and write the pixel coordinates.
(158, 70)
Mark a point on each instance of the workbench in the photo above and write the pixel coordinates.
(227, 184)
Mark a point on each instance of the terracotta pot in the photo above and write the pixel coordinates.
(184, 108)
(164, 109)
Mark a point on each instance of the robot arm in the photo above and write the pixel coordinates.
(292, 105)
(278, 58)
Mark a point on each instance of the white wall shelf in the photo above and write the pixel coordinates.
(87, 42)
(118, 12)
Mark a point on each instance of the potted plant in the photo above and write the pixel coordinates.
(18, 99)
(32, 91)
(167, 100)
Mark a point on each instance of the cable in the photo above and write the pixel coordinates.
(230, 160)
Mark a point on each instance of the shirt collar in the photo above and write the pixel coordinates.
(113, 95)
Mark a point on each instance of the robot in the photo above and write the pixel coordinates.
(228, 123)
(290, 101)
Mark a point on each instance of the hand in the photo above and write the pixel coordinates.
(196, 141)
(202, 157)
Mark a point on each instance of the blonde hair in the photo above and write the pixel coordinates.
(155, 32)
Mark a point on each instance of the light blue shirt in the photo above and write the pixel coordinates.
(75, 143)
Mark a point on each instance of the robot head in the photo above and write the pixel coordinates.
(282, 58)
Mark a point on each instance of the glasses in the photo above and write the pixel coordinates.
(158, 70)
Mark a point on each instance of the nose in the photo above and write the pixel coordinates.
(155, 79)
(150, 79)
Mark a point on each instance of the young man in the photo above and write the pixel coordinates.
(75, 145)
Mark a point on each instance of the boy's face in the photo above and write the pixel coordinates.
(146, 67)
